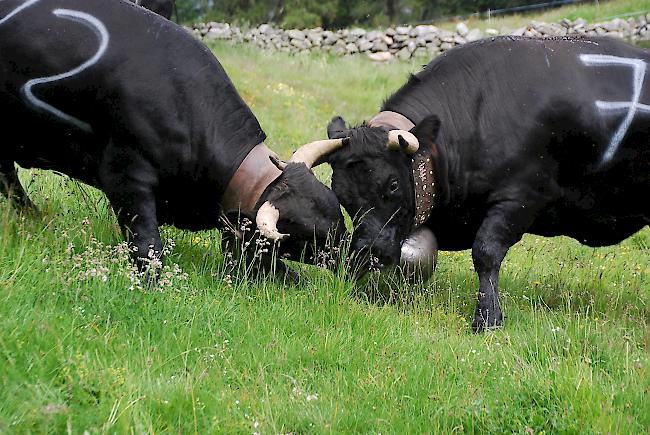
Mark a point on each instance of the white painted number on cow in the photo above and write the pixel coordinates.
(16, 11)
(81, 17)
(631, 107)
(101, 32)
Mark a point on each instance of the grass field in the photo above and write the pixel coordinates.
(83, 348)
(592, 11)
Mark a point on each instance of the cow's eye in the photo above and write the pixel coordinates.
(394, 186)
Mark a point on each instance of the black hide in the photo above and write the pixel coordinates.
(536, 135)
(131, 103)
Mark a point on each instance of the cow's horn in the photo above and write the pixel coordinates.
(312, 152)
(277, 162)
(408, 137)
(267, 222)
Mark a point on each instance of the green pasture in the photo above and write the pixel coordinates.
(213, 349)
(591, 11)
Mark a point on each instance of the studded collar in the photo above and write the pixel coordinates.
(424, 179)
(425, 187)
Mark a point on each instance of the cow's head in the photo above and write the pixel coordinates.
(372, 177)
(298, 213)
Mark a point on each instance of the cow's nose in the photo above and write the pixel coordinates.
(377, 258)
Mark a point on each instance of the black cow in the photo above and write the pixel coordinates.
(132, 104)
(164, 8)
(547, 136)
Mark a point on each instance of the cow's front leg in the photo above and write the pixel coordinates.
(136, 213)
(504, 226)
(129, 188)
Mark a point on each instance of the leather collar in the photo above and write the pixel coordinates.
(250, 180)
(391, 121)
(424, 179)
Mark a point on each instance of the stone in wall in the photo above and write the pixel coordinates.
(407, 42)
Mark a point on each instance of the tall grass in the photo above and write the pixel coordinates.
(214, 350)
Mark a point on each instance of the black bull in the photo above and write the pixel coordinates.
(131, 103)
(547, 136)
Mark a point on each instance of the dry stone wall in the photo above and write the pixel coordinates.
(406, 42)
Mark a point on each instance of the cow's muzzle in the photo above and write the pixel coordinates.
(376, 253)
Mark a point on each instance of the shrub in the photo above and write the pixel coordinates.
(301, 19)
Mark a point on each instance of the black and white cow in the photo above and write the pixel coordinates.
(132, 104)
(498, 138)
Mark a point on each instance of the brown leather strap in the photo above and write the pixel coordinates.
(252, 177)
(424, 180)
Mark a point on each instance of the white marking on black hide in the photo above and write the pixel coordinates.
(16, 11)
(631, 107)
(100, 30)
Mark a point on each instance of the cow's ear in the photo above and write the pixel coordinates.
(336, 129)
(427, 130)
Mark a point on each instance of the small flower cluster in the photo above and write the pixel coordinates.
(261, 246)
(211, 354)
(94, 261)
(282, 89)
(250, 236)
(171, 276)
(98, 261)
(198, 241)
(327, 258)
(297, 393)
(374, 265)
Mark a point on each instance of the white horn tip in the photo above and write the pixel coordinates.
(267, 222)
(393, 140)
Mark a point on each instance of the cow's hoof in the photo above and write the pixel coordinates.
(149, 272)
(149, 278)
(484, 320)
